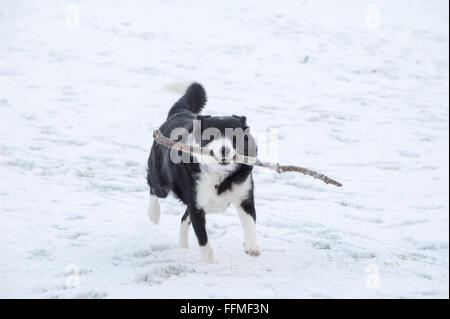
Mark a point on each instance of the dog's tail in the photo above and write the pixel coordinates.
(194, 99)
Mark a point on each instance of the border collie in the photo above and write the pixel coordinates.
(205, 184)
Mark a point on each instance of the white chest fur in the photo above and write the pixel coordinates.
(210, 201)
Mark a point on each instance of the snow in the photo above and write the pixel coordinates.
(361, 99)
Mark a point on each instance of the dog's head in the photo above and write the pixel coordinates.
(224, 137)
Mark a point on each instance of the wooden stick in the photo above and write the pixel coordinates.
(192, 149)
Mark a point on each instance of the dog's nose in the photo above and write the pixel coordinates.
(225, 151)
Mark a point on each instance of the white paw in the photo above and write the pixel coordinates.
(207, 254)
(154, 211)
(155, 219)
(252, 250)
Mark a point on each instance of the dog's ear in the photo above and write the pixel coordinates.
(243, 120)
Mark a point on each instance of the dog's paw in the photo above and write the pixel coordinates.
(252, 251)
(207, 254)
(154, 219)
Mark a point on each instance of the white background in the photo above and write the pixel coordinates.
(356, 91)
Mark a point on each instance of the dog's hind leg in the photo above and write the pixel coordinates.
(184, 229)
(154, 211)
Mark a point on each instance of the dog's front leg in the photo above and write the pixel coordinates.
(247, 215)
(197, 217)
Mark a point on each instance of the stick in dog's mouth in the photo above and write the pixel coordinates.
(242, 159)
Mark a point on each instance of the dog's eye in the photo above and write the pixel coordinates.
(211, 153)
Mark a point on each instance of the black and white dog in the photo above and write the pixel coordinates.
(204, 185)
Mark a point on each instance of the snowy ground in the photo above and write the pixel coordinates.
(361, 100)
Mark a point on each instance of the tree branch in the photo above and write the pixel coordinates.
(165, 141)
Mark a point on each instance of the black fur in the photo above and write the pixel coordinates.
(238, 176)
(248, 204)
(194, 100)
(165, 176)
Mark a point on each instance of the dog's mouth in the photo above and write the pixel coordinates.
(224, 161)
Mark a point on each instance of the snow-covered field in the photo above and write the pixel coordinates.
(358, 96)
